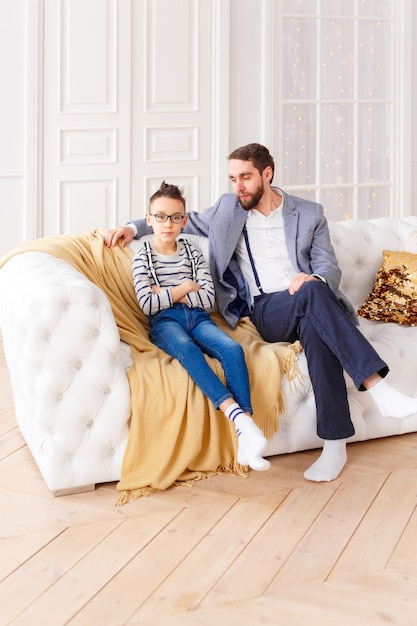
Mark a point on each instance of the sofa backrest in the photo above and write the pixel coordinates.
(358, 245)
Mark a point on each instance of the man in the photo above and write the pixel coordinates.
(271, 257)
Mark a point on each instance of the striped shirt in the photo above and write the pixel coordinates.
(171, 270)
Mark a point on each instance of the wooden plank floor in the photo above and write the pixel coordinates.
(269, 549)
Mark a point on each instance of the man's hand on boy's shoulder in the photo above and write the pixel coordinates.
(123, 233)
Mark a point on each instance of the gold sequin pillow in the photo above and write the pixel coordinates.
(394, 295)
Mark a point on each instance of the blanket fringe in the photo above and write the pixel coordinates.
(270, 424)
(290, 361)
(292, 370)
(135, 494)
(190, 482)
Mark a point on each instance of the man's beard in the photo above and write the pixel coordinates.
(252, 200)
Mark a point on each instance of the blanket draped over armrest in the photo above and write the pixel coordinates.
(176, 436)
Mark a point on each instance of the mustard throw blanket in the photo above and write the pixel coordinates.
(176, 436)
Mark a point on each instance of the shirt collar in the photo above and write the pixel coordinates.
(254, 214)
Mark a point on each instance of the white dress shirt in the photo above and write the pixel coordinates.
(269, 251)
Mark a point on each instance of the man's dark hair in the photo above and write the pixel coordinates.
(258, 154)
(168, 191)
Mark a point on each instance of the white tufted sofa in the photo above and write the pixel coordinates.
(68, 366)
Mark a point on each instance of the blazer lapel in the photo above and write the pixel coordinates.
(231, 237)
(290, 219)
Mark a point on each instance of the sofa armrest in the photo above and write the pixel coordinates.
(67, 370)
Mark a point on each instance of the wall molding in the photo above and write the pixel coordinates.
(33, 200)
(221, 101)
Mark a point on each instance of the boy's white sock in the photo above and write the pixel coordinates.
(330, 463)
(392, 403)
(253, 434)
(245, 455)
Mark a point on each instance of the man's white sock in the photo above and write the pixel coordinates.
(392, 403)
(330, 463)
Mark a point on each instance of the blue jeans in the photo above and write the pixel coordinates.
(185, 334)
(332, 343)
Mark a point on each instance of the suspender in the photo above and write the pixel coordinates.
(190, 258)
(151, 265)
(252, 262)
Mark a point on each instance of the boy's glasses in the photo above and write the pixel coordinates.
(161, 217)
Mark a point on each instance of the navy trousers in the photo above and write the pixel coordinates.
(332, 343)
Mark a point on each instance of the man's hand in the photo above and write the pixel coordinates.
(299, 281)
(112, 236)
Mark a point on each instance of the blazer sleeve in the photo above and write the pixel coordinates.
(322, 255)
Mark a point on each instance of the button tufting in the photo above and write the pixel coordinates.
(78, 365)
(59, 397)
(96, 332)
(111, 452)
(106, 390)
(90, 423)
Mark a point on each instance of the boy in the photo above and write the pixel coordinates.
(175, 290)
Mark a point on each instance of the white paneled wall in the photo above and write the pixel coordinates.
(12, 123)
(174, 74)
(104, 98)
(87, 114)
(128, 98)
